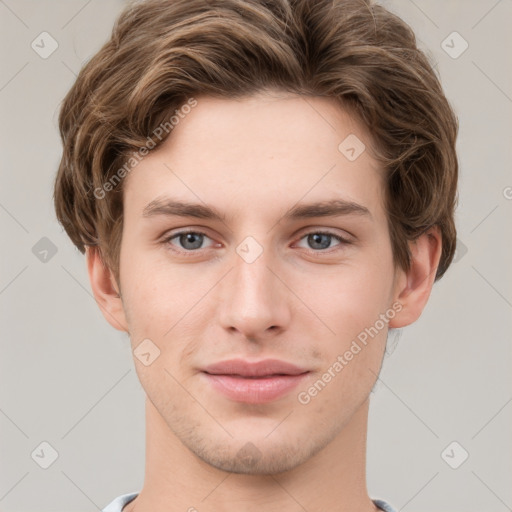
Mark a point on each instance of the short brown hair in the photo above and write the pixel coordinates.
(163, 52)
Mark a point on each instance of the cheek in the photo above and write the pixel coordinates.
(168, 306)
(353, 354)
(351, 304)
(353, 298)
(156, 294)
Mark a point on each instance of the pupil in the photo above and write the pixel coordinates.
(191, 238)
(316, 239)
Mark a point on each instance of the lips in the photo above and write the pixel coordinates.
(264, 368)
(254, 382)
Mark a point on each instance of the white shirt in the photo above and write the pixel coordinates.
(118, 504)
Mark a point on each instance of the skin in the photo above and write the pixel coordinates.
(253, 159)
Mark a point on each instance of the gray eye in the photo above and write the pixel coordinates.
(191, 240)
(319, 240)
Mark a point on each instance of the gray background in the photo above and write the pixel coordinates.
(68, 378)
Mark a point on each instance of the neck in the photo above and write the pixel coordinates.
(177, 480)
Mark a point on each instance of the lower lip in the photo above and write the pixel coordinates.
(254, 390)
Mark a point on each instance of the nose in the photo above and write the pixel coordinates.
(253, 301)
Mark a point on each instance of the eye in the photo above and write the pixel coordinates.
(320, 240)
(188, 240)
(192, 241)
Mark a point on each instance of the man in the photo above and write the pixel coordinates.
(262, 190)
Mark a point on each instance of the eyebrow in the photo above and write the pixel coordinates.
(332, 208)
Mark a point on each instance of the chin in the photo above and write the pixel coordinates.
(254, 455)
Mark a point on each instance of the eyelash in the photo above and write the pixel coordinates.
(193, 252)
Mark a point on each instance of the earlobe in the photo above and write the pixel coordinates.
(105, 290)
(414, 286)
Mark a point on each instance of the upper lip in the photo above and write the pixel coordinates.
(262, 368)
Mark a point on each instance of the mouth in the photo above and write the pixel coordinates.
(254, 382)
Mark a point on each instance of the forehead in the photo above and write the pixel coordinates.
(266, 149)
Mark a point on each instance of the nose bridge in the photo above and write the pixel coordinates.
(252, 299)
(252, 278)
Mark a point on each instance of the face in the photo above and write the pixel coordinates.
(270, 277)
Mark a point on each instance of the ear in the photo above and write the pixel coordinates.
(105, 290)
(413, 287)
